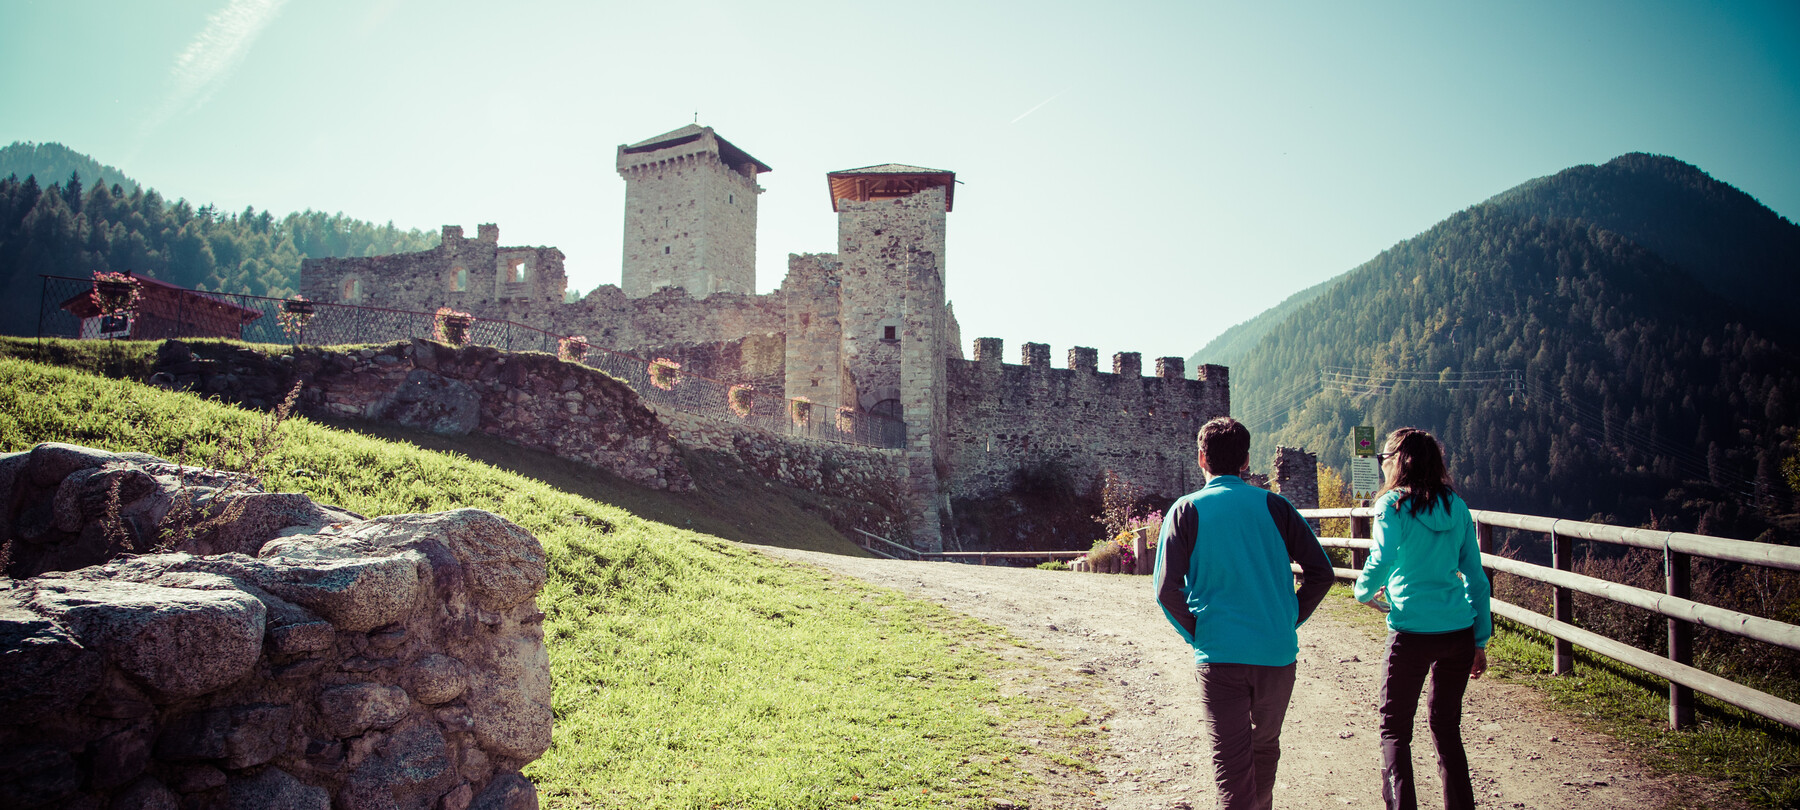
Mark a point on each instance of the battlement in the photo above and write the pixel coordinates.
(689, 144)
(1085, 359)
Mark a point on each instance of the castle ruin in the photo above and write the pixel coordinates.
(867, 329)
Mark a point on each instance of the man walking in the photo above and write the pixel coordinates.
(1223, 579)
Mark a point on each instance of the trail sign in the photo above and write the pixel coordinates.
(1365, 477)
(1362, 440)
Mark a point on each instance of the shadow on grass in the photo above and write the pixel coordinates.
(725, 503)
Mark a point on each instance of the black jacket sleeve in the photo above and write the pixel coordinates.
(1303, 547)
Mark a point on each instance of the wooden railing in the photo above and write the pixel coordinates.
(1673, 603)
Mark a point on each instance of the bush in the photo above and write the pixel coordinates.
(1053, 565)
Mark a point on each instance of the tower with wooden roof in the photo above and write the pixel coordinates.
(690, 214)
(893, 315)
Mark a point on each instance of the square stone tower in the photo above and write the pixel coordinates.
(690, 214)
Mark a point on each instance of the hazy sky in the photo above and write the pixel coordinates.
(1137, 176)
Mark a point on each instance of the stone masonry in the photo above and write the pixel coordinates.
(292, 655)
(867, 328)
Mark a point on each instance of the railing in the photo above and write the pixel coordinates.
(259, 319)
(1673, 603)
(981, 557)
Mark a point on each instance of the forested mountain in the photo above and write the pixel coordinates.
(72, 229)
(1231, 344)
(1571, 369)
(53, 161)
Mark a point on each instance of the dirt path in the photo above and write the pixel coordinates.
(1522, 753)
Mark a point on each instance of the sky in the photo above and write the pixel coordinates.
(1136, 176)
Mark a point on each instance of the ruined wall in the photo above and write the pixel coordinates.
(329, 662)
(860, 487)
(530, 399)
(1295, 475)
(1004, 417)
(690, 220)
(815, 331)
(479, 276)
(611, 320)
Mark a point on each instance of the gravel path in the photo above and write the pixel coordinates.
(1522, 753)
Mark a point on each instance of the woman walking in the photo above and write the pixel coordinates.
(1427, 561)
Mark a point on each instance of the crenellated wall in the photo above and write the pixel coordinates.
(1004, 417)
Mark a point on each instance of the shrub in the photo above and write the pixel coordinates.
(572, 349)
(740, 398)
(1053, 565)
(451, 326)
(665, 373)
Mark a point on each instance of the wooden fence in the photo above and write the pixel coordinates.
(1673, 603)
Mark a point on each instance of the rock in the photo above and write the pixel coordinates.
(304, 637)
(508, 791)
(436, 679)
(353, 709)
(145, 794)
(509, 695)
(51, 462)
(47, 670)
(359, 593)
(258, 733)
(35, 776)
(177, 642)
(274, 787)
(196, 778)
(120, 758)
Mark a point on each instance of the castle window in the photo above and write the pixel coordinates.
(353, 290)
(731, 199)
(459, 279)
(665, 250)
(515, 271)
(815, 383)
(805, 319)
(888, 333)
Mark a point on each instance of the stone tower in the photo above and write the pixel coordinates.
(895, 326)
(690, 214)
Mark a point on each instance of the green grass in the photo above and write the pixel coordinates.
(1759, 758)
(689, 672)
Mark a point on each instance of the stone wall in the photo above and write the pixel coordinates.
(1296, 476)
(1006, 417)
(521, 284)
(864, 486)
(327, 661)
(530, 399)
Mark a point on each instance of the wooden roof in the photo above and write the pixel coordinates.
(889, 181)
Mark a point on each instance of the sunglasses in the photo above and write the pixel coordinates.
(1381, 458)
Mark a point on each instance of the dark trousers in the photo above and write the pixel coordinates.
(1446, 657)
(1244, 705)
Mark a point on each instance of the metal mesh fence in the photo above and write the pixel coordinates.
(67, 309)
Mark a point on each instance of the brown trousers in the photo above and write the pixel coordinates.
(1244, 705)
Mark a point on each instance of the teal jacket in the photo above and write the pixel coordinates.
(1431, 567)
(1223, 578)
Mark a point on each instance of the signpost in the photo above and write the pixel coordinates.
(1365, 473)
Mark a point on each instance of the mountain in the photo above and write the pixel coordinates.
(1231, 344)
(70, 227)
(53, 163)
(1571, 367)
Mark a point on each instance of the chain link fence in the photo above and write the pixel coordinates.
(76, 308)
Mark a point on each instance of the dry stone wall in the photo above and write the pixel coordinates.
(327, 661)
(530, 399)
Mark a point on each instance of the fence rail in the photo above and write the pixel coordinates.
(167, 312)
(1673, 603)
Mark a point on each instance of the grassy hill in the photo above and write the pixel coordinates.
(689, 671)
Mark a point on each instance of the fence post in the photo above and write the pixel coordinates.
(1484, 537)
(1140, 551)
(1562, 605)
(1681, 640)
(1361, 528)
